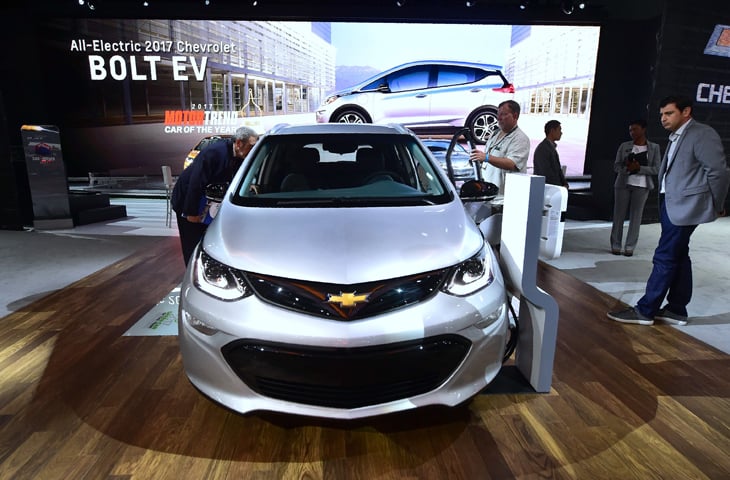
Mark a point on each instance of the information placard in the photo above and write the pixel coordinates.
(46, 177)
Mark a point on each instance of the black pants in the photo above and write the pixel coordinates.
(190, 235)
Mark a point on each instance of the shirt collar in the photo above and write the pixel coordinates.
(675, 135)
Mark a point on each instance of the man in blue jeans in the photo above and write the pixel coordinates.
(693, 184)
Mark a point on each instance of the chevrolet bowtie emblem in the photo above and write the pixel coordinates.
(347, 299)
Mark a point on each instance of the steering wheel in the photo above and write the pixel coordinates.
(382, 175)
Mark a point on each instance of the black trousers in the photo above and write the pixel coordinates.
(190, 235)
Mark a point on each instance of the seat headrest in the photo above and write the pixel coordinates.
(370, 159)
(308, 157)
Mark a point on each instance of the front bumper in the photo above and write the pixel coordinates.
(322, 116)
(257, 356)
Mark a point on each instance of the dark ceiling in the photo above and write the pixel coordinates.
(472, 11)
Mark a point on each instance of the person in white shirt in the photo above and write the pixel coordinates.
(507, 150)
(637, 162)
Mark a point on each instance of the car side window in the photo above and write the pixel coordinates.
(372, 86)
(448, 75)
(409, 79)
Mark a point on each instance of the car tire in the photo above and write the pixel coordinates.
(482, 124)
(350, 116)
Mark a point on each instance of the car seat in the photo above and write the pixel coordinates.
(302, 174)
(369, 161)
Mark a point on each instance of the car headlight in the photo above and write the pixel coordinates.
(219, 280)
(331, 99)
(471, 275)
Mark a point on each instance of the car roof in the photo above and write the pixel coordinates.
(451, 63)
(339, 128)
(213, 138)
(455, 63)
(218, 136)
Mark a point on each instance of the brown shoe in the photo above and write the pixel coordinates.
(616, 251)
(628, 253)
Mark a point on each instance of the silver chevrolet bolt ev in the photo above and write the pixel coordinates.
(342, 278)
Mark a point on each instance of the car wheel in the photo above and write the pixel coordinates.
(482, 124)
(350, 116)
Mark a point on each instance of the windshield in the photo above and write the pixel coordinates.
(340, 170)
(440, 147)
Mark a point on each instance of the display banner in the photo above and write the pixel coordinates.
(694, 61)
(140, 93)
(46, 177)
(713, 89)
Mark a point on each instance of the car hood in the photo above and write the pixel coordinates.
(342, 245)
(459, 159)
(345, 92)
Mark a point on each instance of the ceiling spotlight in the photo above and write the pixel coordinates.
(255, 3)
(567, 6)
(470, 3)
(145, 4)
(91, 6)
(81, 2)
(582, 5)
(524, 4)
(400, 3)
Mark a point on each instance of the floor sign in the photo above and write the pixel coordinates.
(161, 320)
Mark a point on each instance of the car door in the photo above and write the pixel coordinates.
(406, 100)
(455, 93)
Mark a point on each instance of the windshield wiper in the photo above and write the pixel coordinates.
(358, 201)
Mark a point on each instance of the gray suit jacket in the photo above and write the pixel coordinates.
(697, 178)
(619, 165)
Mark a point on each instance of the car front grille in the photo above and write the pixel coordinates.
(347, 302)
(346, 377)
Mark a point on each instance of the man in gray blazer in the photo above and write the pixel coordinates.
(693, 184)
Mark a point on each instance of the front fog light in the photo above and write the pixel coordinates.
(198, 324)
(491, 318)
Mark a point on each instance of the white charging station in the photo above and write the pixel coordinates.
(525, 225)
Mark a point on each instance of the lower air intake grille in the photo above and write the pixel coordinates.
(346, 377)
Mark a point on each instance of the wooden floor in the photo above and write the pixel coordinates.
(80, 401)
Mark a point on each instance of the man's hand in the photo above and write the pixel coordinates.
(477, 156)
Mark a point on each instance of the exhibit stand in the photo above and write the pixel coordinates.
(46, 177)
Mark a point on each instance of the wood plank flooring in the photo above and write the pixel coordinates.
(80, 401)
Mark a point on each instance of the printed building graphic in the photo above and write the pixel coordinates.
(553, 68)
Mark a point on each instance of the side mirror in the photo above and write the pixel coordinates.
(215, 192)
(477, 190)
